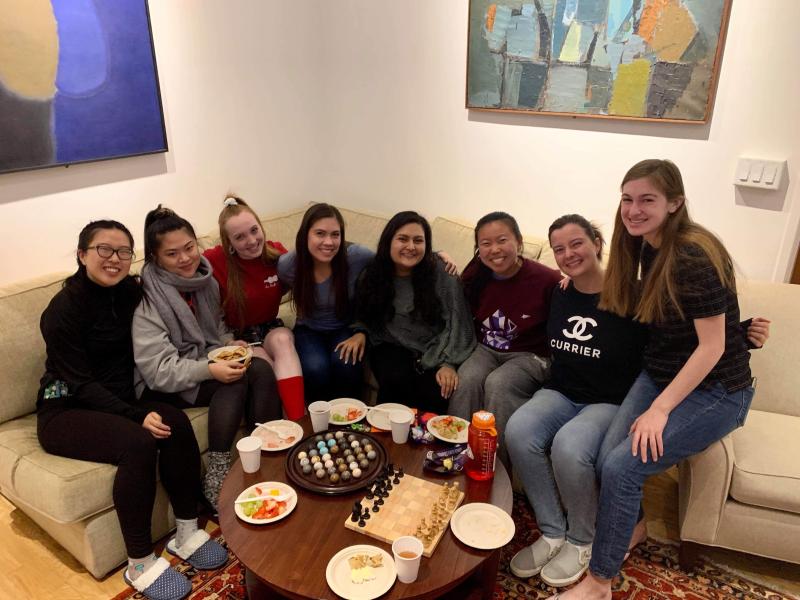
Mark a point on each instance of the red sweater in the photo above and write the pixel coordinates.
(262, 292)
(511, 315)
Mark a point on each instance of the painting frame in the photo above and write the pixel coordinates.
(123, 30)
(501, 105)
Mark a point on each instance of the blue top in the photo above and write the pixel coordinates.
(323, 317)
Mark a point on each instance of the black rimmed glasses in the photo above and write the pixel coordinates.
(105, 251)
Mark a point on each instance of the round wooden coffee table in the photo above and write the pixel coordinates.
(288, 558)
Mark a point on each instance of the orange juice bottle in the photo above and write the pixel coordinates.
(482, 442)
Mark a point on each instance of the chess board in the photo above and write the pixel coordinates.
(408, 503)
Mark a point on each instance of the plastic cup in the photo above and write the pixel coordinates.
(407, 551)
(401, 424)
(250, 453)
(320, 412)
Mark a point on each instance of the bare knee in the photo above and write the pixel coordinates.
(279, 341)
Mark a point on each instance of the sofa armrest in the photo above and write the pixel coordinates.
(703, 487)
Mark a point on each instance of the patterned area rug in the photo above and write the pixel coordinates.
(651, 573)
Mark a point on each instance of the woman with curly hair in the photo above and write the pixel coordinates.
(418, 321)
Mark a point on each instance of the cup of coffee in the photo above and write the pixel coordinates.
(407, 551)
(401, 424)
(320, 413)
(250, 453)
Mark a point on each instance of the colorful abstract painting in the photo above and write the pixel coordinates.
(78, 82)
(636, 59)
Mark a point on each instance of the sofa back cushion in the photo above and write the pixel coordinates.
(773, 365)
(21, 344)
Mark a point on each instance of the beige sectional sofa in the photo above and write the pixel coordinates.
(71, 499)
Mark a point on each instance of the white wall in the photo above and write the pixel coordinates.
(361, 102)
(400, 136)
(240, 104)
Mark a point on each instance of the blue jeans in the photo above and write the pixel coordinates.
(702, 418)
(325, 375)
(553, 443)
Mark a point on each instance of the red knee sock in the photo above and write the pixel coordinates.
(292, 396)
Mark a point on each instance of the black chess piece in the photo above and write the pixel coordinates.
(366, 514)
(376, 507)
(389, 487)
(400, 472)
(356, 512)
(362, 523)
(370, 494)
(396, 479)
(379, 502)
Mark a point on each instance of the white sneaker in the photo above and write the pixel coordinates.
(568, 566)
(530, 560)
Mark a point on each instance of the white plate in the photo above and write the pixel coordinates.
(462, 435)
(212, 356)
(289, 428)
(341, 405)
(378, 416)
(338, 574)
(482, 526)
(266, 485)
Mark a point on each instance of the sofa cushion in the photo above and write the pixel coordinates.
(766, 472)
(64, 489)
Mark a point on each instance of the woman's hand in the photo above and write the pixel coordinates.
(449, 265)
(447, 379)
(758, 331)
(226, 371)
(646, 431)
(352, 348)
(564, 283)
(153, 423)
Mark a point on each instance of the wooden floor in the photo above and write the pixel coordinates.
(34, 566)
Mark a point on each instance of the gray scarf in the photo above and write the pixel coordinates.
(193, 334)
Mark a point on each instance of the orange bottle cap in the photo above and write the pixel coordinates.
(484, 420)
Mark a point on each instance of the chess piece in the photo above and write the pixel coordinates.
(370, 494)
(362, 523)
(376, 507)
(389, 486)
(396, 480)
(400, 473)
(366, 516)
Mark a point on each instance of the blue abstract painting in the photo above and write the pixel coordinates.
(78, 83)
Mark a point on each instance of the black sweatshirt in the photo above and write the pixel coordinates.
(87, 333)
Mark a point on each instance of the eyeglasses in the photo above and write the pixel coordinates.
(107, 252)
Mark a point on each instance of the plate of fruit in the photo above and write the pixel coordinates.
(265, 502)
(345, 411)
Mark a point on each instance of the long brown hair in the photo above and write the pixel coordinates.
(681, 238)
(269, 255)
(304, 287)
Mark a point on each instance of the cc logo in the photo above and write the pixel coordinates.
(579, 328)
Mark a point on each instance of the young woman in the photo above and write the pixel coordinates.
(419, 325)
(554, 438)
(174, 328)
(245, 266)
(695, 386)
(322, 272)
(510, 299)
(87, 409)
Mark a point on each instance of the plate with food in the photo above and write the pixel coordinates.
(449, 429)
(241, 354)
(345, 411)
(361, 572)
(278, 435)
(378, 416)
(482, 526)
(271, 501)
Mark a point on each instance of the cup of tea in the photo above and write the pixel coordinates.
(320, 413)
(407, 551)
(250, 453)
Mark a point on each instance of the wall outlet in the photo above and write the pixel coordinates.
(759, 173)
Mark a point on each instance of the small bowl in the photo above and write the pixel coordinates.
(242, 354)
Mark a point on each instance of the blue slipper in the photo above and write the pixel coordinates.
(160, 582)
(200, 551)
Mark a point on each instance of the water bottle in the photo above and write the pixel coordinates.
(482, 442)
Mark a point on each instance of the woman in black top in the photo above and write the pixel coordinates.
(87, 410)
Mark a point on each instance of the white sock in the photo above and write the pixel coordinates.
(554, 543)
(186, 527)
(139, 566)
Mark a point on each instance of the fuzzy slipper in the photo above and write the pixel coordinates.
(200, 551)
(160, 582)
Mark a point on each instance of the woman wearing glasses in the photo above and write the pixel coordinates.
(87, 409)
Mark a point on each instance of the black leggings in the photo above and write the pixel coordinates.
(253, 398)
(105, 438)
(399, 380)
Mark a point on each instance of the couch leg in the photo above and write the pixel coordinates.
(688, 554)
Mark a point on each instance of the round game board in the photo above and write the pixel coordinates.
(310, 482)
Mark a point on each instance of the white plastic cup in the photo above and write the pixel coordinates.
(401, 424)
(320, 412)
(250, 453)
(407, 551)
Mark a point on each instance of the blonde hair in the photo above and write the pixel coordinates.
(235, 206)
(647, 301)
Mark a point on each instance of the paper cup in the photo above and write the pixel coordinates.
(407, 551)
(401, 424)
(250, 453)
(320, 412)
